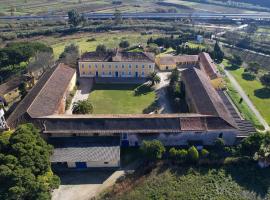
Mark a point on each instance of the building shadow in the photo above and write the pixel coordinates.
(263, 93)
(88, 176)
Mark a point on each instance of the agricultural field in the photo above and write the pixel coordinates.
(89, 42)
(231, 182)
(120, 99)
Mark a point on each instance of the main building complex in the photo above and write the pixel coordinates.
(94, 140)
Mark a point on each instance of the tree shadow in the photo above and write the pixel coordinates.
(263, 93)
(142, 90)
(232, 67)
(154, 106)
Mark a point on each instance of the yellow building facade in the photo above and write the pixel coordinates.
(131, 64)
(115, 69)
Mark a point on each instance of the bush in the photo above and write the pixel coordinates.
(193, 154)
(153, 149)
(172, 153)
(124, 44)
(182, 154)
(204, 153)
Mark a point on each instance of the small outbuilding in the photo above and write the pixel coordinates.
(85, 152)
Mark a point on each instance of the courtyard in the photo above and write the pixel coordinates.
(121, 98)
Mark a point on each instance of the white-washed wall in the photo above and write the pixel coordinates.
(208, 138)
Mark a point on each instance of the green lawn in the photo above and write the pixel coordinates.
(232, 182)
(256, 92)
(120, 99)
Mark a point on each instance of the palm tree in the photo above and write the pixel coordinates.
(154, 78)
(82, 107)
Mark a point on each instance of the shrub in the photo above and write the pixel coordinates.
(124, 44)
(182, 154)
(153, 149)
(204, 153)
(193, 154)
(172, 153)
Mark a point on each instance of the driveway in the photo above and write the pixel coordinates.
(82, 185)
(85, 185)
(82, 93)
(161, 90)
(247, 100)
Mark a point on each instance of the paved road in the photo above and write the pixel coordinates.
(247, 100)
(196, 15)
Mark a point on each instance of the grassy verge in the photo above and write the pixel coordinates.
(242, 106)
(120, 99)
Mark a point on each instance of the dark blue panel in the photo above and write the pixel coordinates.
(81, 165)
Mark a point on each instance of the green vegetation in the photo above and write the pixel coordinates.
(232, 182)
(258, 94)
(153, 150)
(242, 106)
(82, 107)
(120, 98)
(14, 57)
(220, 173)
(25, 171)
(111, 40)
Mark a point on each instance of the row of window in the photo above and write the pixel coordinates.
(116, 66)
(110, 73)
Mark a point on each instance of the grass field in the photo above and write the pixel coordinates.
(259, 95)
(111, 40)
(192, 183)
(119, 99)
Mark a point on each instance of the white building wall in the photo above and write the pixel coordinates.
(175, 139)
(114, 163)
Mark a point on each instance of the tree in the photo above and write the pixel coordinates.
(236, 60)
(74, 18)
(124, 44)
(41, 62)
(101, 49)
(82, 107)
(218, 53)
(117, 16)
(253, 67)
(265, 80)
(193, 154)
(22, 89)
(250, 145)
(263, 154)
(70, 55)
(174, 76)
(25, 171)
(153, 149)
(154, 78)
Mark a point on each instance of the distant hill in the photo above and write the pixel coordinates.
(263, 3)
